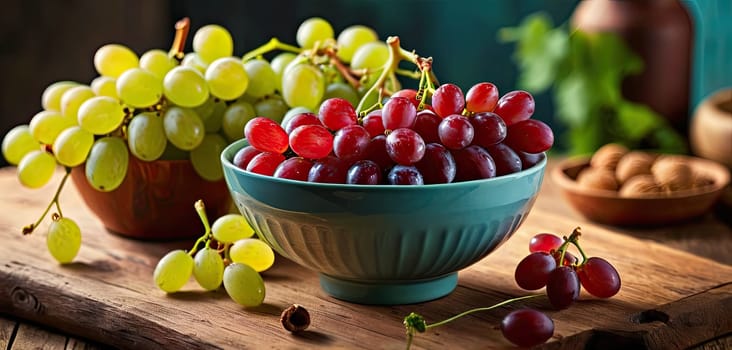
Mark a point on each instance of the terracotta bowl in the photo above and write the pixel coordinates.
(155, 201)
(607, 207)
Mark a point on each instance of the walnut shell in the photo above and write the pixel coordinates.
(632, 164)
(673, 173)
(607, 156)
(597, 178)
(644, 185)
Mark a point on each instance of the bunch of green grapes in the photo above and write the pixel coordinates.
(236, 261)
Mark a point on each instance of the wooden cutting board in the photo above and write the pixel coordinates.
(669, 299)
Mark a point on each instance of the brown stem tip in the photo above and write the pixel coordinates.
(295, 318)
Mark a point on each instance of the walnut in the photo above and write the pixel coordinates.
(632, 164)
(607, 156)
(597, 178)
(673, 173)
(644, 185)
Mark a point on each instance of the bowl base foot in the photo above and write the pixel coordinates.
(389, 293)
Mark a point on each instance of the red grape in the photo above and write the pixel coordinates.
(336, 113)
(295, 168)
(244, 156)
(533, 270)
(455, 131)
(527, 327)
(377, 152)
(397, 113)
(373, 123)
(301, 119)
(350, 143)
(530, 136)
(426, 125)
(405, 146)
(266, 135)
(265, 163)
(490, 129)
(507, 161)
(437, 165)
(364, 172)
(311, 141)
(599, 277)
(569, 258)
(545, 242)
(529, 159)
(328, 170)
(562, 287)
(515, 106)
(448, 99)
(472, 163)
(410, 94)
(482, 97)
(404, 175)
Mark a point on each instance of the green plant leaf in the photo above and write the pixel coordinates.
(636, 121)
(573, 99)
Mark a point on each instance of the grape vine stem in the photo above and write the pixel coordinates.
(30, 228)
(271, 45)
(206, 237)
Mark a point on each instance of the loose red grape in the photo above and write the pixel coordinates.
(311, 141)
(507, 161)
(405, 175)
(244, 156)
(295, 168)
(373, 123)
(364, 172)
(437, 166)
(336, 113)
(405, 146)
(545, 242)
(599, 277)
(426, 125)
(562, 287)
(448, 99)
(397, 113)
(377, 152)
(455, 131)
(490, 129)
(481, 97)
(265, 163)
(472, 163)
(301, 119)
(515, 106)
(266, 135)
(527, 327)
(350, 143)
(533, 270)
(410, 94)
(530, 136)
(328, 170)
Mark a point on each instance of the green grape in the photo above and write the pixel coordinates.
(72, 146)
(235, 118)
(261, 78)
(139, 88)
(146, 136)
(19, 141)
(51, 98)
(106, 166)
(342, 90)
(104, 86)
(371, 55)
(211, 113)
(36, 168)
(303, 85)
(273, 108)
(173, 153)
(293, 112)
(72, 99)
(312, 30)
(227, 79)
(46, 125)
(244, 285)
(212, 42)
(351, 38)
(183, 128)
(63, 239)
(192, 60)
(101, 115)
(231, 228)
(208, 268)
(253, 252)
(157, 62)
(173, 271)
(185, 87)
(278, 64)
(113, 59)
(205, 157)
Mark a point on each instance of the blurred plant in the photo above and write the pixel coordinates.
(585, 72)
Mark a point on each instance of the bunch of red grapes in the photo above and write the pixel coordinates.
(550, 265)
(452, 138)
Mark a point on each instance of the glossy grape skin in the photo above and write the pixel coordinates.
(409, 94)
(455, 132)
(426, 125)
(328, 170)
(563, 287)
(405, 146)
(173, 271)
(208, 268)
(295, 168)
(373, 123)
(230, 228)
(481, 97)
(515, 106)
(448, 99)
(405, 175)
(533, 270)
(244, 156)
(306, 118)
(377, 152)
(490, 129)
(336, 113)
(253, 252)
(397, 113)
(473, 163)
(530, 136)
(569, 258)
(528, 160)
(506, 160)
(364, 172)
(437, 165)
(545, 242)
(244, 285)
(311, 141)
(599, 277)
(266, 135)
(63, 239)
(527, 327)
(351, 142)
(265, 163)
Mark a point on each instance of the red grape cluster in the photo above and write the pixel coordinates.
(453, 138)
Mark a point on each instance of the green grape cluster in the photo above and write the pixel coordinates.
(236, 261)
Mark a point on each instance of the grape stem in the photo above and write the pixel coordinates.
(179, 41)
(271, 45)
(29, 229)
(574, 240)
(206, 237)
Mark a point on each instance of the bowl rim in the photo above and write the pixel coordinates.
(228, 153)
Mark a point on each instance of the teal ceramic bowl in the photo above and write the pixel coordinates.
(383, 244)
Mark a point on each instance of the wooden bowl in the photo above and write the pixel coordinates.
(607, 207)
(710, 135)
(155, 201)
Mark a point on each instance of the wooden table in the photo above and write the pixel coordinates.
(677, 291)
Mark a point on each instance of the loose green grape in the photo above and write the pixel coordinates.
(46, 125)
(173, 271)
(235, 118)
(370, 55)
(36, 168)
(208, 268)
(273, 108)
(104, 86)
(72, 146)
(342, 90)
(113, 59)
(18, 142)
(185, 87)
(313, 30)
(253, 252)
(146, 136)
(139, 88)
(72, 99)
(211, 113)
(106, 166)
(227, 79)
(100, 115)
(278, 64)
(353, 37)
(212, 42)
(205, 157)
(157, 62)
(51, 98)
(303, 85)
(183, 128)
(63, 239)
(231, 228)
(192, 60)
(244, 285)
(261, 78)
